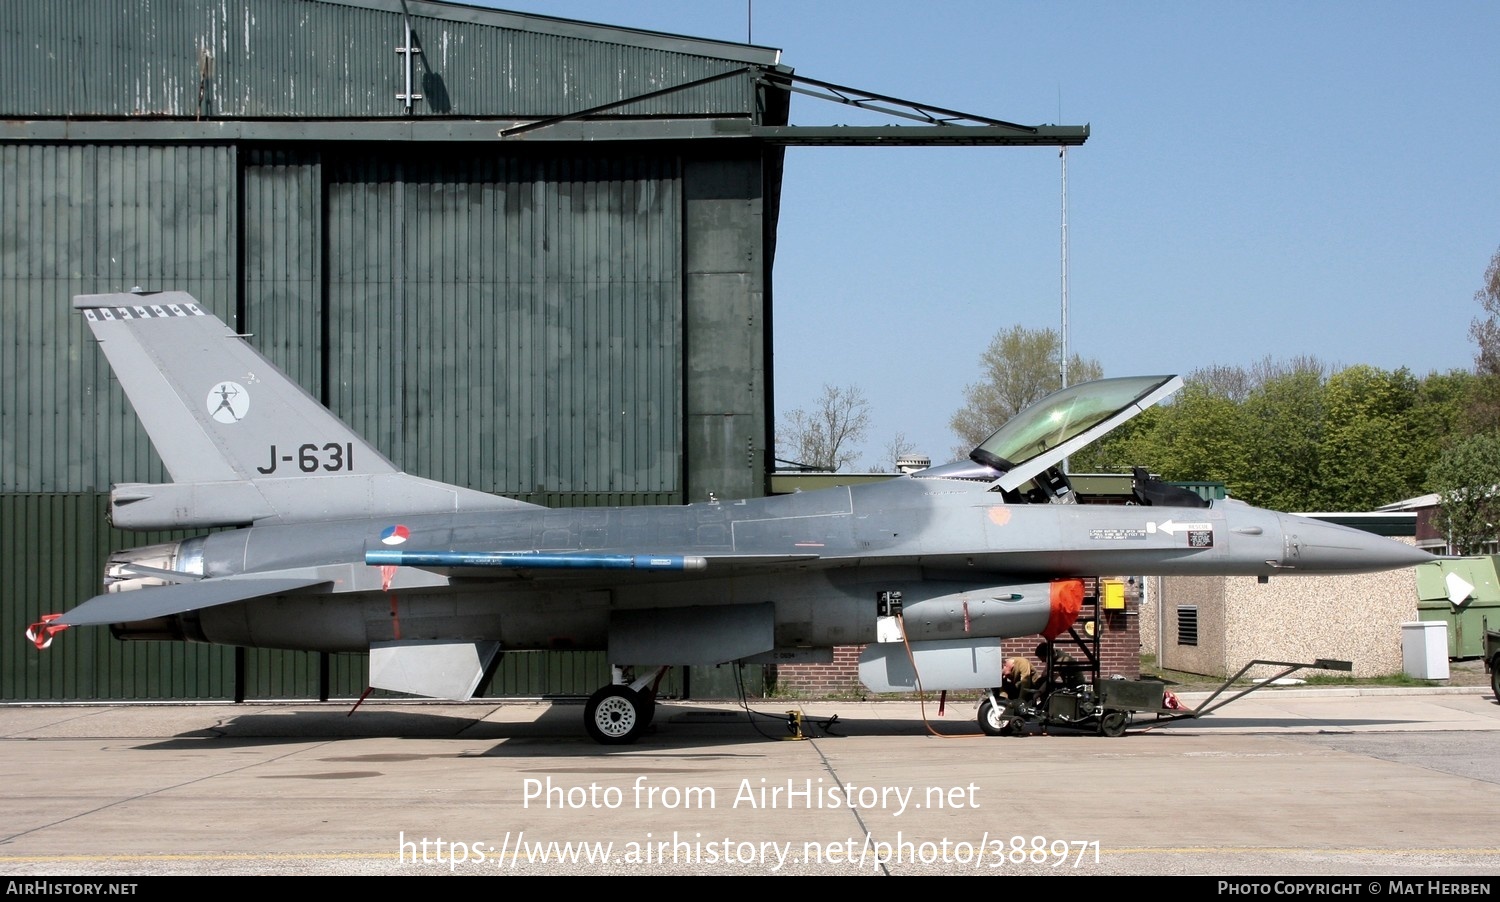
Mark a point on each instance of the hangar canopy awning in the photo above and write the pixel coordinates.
(943, 127)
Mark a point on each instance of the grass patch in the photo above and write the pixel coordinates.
(1181, 680)
(1201, 682)
(783, 691)
(1389, 679)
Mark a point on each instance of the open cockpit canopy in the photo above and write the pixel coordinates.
(1035, 441)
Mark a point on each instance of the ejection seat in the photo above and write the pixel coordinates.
(1150, 490)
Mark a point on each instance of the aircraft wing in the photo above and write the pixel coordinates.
(147, 604)
(520, 564)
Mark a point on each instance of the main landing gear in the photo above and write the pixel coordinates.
(619, 713)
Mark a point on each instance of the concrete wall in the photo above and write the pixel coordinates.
(1206, 593)
(724, 329)
(1290, 618)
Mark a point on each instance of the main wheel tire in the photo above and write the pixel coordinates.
(1495, 680)
(616, 715)
(992, 719)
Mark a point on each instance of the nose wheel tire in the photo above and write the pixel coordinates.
(616, 715)
(992, 719)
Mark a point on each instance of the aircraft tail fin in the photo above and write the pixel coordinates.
(242, 441)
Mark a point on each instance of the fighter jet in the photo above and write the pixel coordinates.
(336, 550)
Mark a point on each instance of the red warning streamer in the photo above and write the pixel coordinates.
(41, 632)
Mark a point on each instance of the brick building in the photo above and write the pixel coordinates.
(1119, 651)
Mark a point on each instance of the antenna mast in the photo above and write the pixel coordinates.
(1063, 154)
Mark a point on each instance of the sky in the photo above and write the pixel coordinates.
(1262, 180)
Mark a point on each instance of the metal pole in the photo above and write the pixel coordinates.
(408, 65)
(1063, 155)
(406, 50)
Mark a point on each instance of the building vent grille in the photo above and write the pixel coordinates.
(1187, 625)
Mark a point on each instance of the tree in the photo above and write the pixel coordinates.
(1284, 418)
(1020, 366)
(1442, 412)
(825, 438)
(1269, 368)
(898, 447)
(1199, 436)
(1466, 477)
(1297, 439)
(1232, 382)
(1127, 446)
(1365, 457)
(1484, 403)
(1486, 331)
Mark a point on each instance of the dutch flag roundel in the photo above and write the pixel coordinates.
(395, 535)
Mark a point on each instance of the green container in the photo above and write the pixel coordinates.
(1464, 593)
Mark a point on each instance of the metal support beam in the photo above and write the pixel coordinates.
(936, 136)
(592, 111)
(881, 103)
(949, 127)
(946, 127)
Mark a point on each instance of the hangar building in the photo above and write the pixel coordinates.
(521, 254)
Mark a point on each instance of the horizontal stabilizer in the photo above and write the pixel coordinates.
(147, 604)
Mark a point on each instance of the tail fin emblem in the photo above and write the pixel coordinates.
(228, 402)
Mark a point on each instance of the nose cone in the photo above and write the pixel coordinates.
(1312, 546)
